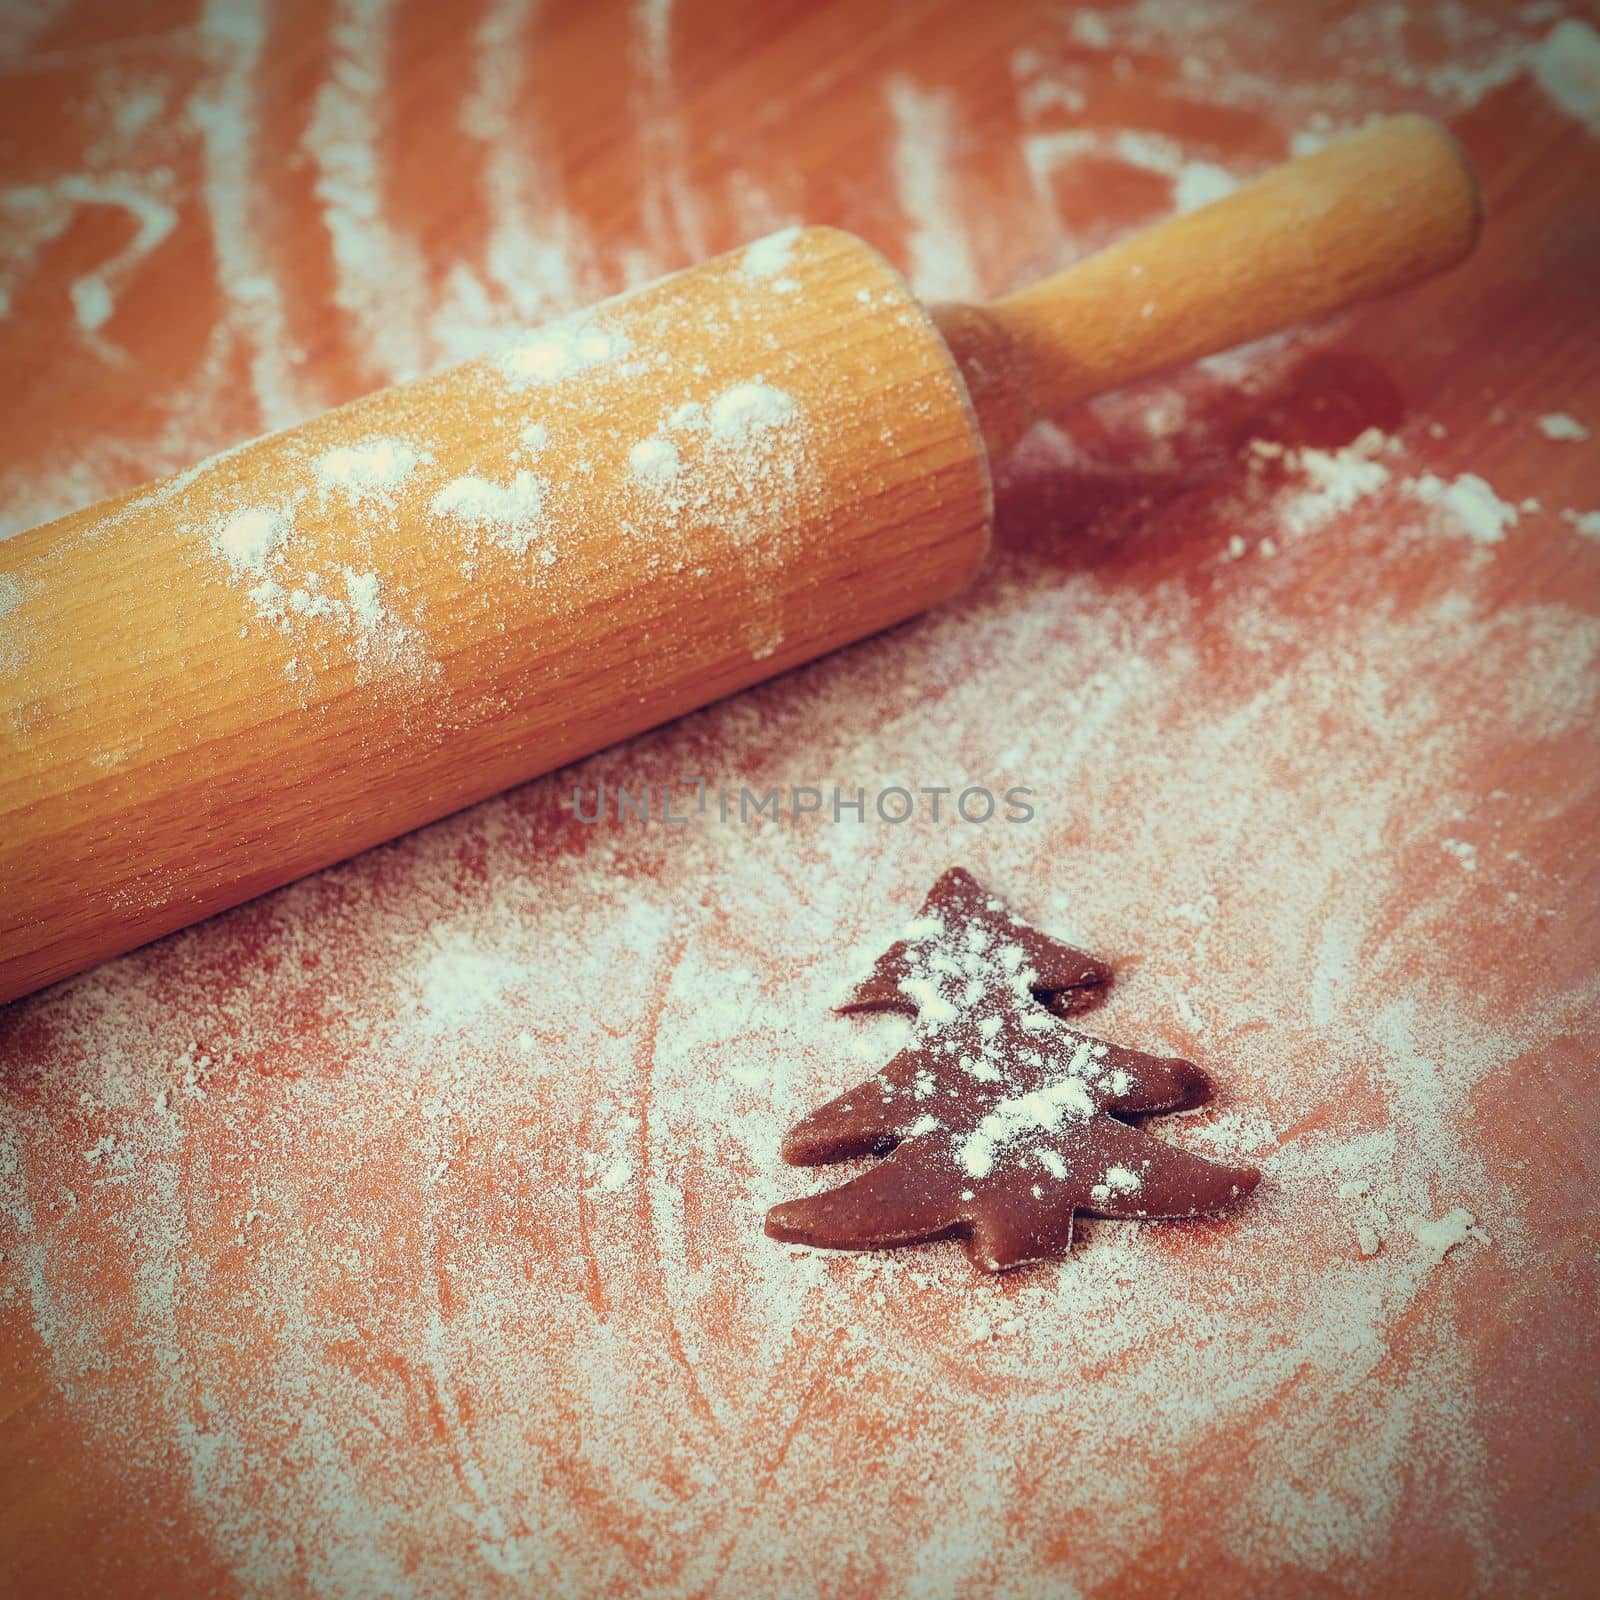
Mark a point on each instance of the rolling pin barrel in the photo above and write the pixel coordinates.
(340, 632)
(329, 636)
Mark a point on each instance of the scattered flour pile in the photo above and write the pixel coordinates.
(739, 414)
(1567, 67)
(292, 590)
(370, 470)
(1562, 429)
(249, 539)
(512, 513)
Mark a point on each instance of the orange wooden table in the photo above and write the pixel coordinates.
(399, 1234)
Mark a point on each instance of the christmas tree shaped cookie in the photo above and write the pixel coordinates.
(998, 1123)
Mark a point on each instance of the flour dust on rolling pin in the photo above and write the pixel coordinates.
(496, 468)
(330, 635)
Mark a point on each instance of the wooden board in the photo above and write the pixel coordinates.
(400, 1232)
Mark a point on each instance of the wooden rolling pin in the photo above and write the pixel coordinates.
(326, 637)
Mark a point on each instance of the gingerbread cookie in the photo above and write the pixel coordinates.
(998, 1122)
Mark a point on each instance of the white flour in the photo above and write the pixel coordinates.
(940, 261)
(562, 351)
(768, 257)
(511, 513)
(1473, 506)
(1438, 1236)
(654, 461)
(740, 414)
(248, 540)
(370, 470)
(1562, 429)
(380, 277)
(33, 216)
(1338, 479)
(225, 114)
(538, 260)
(1567, 67)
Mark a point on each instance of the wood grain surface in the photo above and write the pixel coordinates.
(399, 1233)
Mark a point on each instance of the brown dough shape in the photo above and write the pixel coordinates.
(998, 1123)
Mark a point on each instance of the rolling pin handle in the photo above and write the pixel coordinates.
(1374, 212)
